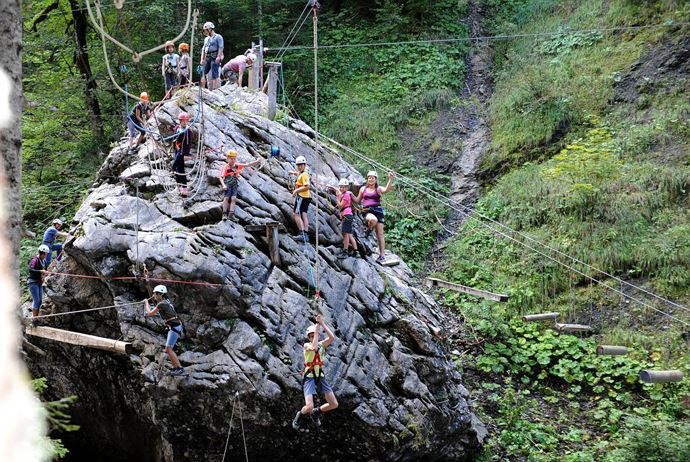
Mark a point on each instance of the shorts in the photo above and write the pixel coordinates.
(301, 204)
(309, 386)
(36, 290)
(174, 333)
(232, 190)
(231, 76)
(376, 211)
(210, 65)
(133, 129)
(347, 224)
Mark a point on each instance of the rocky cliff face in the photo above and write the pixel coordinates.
(400, 396)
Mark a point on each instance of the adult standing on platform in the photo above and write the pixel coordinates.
(211, 56)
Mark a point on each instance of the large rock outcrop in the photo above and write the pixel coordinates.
(400, 396)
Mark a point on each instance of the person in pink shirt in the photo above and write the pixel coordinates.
(234, 69)
(370, 199)
(345, 204)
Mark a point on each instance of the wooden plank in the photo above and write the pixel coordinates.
(77, 338)
(391, 262)
(467, 290)
(541, 317)
(272, 89)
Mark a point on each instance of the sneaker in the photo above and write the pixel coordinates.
(177, 371)
(316, 417)
(353, 253)
(295, 421)
(343, 254)
(381, 260)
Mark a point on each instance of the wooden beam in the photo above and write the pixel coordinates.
(649, 376)
(272, 89)
(77, 338)
(273, 243)
(541, 317)
(433, 282)
(572, 327)
(391, 262)
(612, 350)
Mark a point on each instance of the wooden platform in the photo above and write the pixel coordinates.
(433, 282)
(77, 338)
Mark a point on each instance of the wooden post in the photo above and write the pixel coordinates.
(77, 338)
(612, 350)
(541, 317)
(572, 328)
(273, 243)
(649, 376)
(255, 71)
(260, 62)
(466, 290)
(272, 89)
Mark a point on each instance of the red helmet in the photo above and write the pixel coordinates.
(183, 116)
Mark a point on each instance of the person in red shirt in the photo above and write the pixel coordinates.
(229, 181)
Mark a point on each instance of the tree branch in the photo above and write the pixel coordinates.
(43, 15)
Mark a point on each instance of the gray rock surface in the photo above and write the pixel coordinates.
(401, 398)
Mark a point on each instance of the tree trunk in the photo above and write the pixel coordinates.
(81, 60)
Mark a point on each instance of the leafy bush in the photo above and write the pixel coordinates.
(646, 440)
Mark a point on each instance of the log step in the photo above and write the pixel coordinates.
(649, 376)
(541, 317)
(612, 350)
(433, 282)
(77, 338)
(572, 327)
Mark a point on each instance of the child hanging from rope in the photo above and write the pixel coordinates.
(345, 204)
(183, 147)
(302, 196)
(370, 198)
(136, 120)
(185, 68)
(232, 170)
(170, 68)
(314, 380)
(172, 322)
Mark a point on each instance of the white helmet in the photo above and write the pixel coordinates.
(57, 221)
(343, 182)
(372, 173)
(160, 290)
(209, 25)
(300, 160)
(43, 248)
(311, 329)
(251, 56)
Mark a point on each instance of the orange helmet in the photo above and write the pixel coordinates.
(183, 47)
(144, 96)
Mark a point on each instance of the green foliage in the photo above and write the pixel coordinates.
(648, 440)
(58, 419)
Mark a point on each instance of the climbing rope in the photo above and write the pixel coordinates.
(317, 163)
(136, 56)
(236, 401)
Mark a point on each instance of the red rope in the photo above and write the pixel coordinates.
(129, 278)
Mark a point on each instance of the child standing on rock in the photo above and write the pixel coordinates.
(302, 195)
(345, 204)
(314, 380)
(183, 147)
(172, 322)
(232, 172)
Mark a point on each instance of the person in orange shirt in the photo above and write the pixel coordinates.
(302, 195)
(229, 181)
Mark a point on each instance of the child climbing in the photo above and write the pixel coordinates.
(170, 67)
(37, 265)
(345, 200)
(302, 196)
(136, 120)
(370, 198)
(166, 310)
(185, 67)
(50, 236)
(232, 170)
(314, 380)
(183, 147)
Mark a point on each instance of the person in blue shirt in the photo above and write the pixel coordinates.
(49, 237)
(211, 56)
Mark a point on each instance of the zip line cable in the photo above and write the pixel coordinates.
(282, 47)
(491, 37)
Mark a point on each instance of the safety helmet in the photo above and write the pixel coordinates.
(144, 96)
(57, 221)
(311, 329)
(373, 173)
(251, 57)
(343, 182)
(160, 290)
(183, 47)
(183, 116)
(231, 154)
(209, 25)
(300, 160)
(43, 248)
(169, 43)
